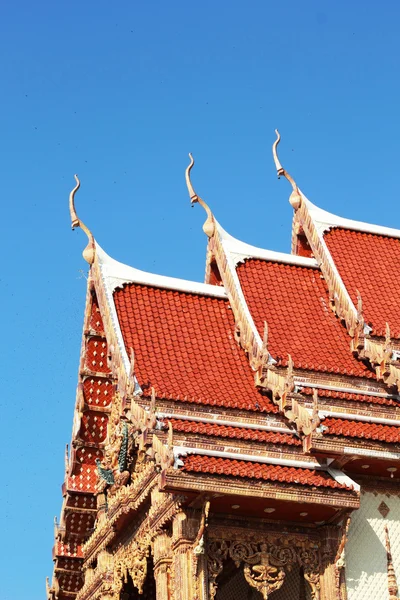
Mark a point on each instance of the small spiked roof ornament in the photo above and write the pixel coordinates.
(208, 226)
(295, 196)
(90, 250)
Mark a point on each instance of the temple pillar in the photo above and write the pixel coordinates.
(162, 553)
(330, 576)
(189, 580)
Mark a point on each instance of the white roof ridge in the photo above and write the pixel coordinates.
(326, 220)
(117, 274)
(239, 251)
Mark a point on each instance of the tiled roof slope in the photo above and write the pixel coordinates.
(369, 263)
(357, 429)
(241, 433)
(185, 348)
(254, 470)
(294, 302)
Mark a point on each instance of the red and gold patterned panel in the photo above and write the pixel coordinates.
(96, 355)
(93, 427)
(79, 523)
(84, 476)
(96, 322)
(98, 391)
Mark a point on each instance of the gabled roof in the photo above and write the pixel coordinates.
(376, 277)
(185, 347)
(294, 302)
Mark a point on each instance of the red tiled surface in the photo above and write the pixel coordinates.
(254, 435)
(98, 391)
(70, 582)
(346, 396)
(294, 302)
(370, 264)
(185, 348)
(253, 470)
(358, 429)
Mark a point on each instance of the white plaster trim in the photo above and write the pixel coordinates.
(283, 462)
(337, 388)
(343, 479)
(116, 274)
(326, 220)
(371, 453)
(239, 251)
(217, 421)
(354, 417)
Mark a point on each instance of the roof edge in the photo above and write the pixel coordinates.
(327, 220)
(117, 274)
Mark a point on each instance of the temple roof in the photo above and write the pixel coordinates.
(185, 347)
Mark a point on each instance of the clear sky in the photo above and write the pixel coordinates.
(120, 92)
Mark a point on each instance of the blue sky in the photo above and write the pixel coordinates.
(120, 93)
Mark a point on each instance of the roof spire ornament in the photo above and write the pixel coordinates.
(295, 197)
(89, 251)
(208, 226)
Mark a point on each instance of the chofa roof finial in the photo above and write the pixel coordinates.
(295, 197)
(89, 251)
(208, 226)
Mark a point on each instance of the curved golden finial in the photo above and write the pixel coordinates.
(295, 197)
(208, 226)
(89, 251)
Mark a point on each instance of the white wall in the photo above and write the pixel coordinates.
(366, 567)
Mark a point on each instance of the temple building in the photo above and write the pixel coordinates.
(238, 439)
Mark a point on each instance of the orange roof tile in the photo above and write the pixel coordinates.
(185, 348)
(369, 263)
(358, 429)
(294, 302)
(254, 435)
(253, 470)
(348, 396)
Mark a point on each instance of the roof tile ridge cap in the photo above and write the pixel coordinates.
(118, 273)
(240, 250)
(327, 220)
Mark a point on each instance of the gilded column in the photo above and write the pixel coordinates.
(162, 553)
(188, 558)
(329, 580)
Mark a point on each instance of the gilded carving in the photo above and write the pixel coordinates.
(265, 562)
